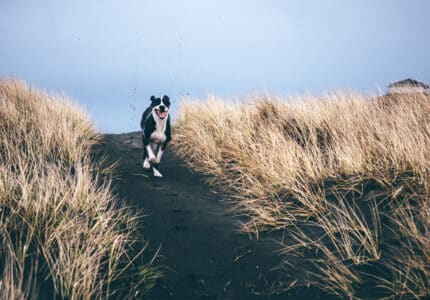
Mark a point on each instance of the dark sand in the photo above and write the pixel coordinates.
(202, 253)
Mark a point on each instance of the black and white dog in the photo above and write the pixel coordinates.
(156, 133)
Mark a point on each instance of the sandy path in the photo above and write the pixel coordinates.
(204, 255)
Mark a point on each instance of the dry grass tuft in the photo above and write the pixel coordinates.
(60, 228)
(347, 178)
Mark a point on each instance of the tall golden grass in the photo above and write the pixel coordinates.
(60, 226)
(346, 177)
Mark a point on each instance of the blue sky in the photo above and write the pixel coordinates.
(111, 56)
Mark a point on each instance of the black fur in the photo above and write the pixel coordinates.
(148, 124)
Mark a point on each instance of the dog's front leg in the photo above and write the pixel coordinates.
(146, 163)
(151, 156)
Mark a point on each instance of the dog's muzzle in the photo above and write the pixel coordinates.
(161, 112)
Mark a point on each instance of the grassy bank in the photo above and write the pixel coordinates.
(61, 230)
(346, 178)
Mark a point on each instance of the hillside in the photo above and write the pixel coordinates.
(63, 233)
(344, 178)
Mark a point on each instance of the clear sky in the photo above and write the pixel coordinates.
(111, 56)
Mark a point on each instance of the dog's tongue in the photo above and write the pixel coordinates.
(162, 114)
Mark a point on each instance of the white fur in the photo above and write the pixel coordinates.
(158, 157)
(156, 172)
(146, 164)
(151, 155)
(159, 136)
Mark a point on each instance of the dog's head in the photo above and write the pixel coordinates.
(160, 106)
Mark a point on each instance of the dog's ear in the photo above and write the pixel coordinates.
(166, 99)
(152, 98)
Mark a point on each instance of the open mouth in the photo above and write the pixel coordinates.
(161, 114)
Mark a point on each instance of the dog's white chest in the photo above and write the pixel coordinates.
(158, 137)
(159, 134)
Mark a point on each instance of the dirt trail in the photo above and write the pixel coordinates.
(204, 255)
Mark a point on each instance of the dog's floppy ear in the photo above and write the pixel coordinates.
(166, 99)
(152, 98)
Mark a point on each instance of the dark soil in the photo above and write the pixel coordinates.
(203, 254)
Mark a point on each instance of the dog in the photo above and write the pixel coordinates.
(156, 132)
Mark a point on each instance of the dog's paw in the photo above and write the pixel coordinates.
(146, 165)
(157, 173)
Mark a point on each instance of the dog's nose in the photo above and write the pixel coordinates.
(162, 108)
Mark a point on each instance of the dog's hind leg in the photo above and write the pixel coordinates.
(161, 149)
(159, 154)
(156, 172)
